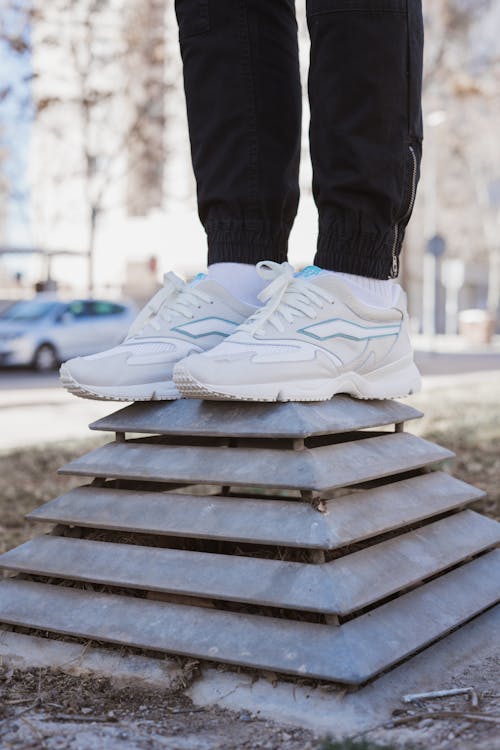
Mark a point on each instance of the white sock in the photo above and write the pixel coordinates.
(374, 292)
(241, 279)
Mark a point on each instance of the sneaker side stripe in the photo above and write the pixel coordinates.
(209, 326)
(342, 328)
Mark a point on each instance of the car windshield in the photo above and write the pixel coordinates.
(28, 311)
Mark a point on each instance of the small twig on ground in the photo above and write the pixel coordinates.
(33, 728)
(34, 704)
(78, 718)
(76, 658)
(38, 700)
(446, 715)
(469, 691)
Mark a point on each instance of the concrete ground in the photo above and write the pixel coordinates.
(31, 416)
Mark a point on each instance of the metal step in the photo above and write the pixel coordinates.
(431, 563)
(374, 573)
(339, 587)
(352, 653)
(346, 520)
(295, 420)
(322, 468)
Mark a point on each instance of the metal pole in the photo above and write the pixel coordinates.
(429, 299)
(433, 120)
(451, 325)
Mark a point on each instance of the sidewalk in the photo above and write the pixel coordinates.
(32, 417)
(443, 343)
(453, 355)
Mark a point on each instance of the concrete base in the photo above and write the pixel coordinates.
(25, 652)
(342, 713)
(322, 709)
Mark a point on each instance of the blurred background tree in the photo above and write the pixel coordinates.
(97, 92)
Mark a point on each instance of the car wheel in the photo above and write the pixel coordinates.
(45, 358)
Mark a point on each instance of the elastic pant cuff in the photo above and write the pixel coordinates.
(349, 249)
(245, 242)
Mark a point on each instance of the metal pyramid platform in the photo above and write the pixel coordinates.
(311, 539)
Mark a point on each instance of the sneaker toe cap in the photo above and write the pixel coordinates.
(88, 371)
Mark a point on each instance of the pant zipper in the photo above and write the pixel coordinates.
(395, 258)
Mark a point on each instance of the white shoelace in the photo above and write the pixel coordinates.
(173, 299)
(285, 297)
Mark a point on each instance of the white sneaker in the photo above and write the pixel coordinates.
(179, 320)
(311, 340)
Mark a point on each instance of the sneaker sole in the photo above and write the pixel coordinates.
(165, 391)
(397, 380)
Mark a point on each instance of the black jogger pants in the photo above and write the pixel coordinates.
(243, 95)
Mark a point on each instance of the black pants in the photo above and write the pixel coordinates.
(243, 95)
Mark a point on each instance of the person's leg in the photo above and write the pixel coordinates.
(243, 96)
(340, 326)
(366, 129)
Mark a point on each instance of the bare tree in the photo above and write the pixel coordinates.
(99, 94)
(14, 95)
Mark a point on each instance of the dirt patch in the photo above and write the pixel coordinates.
(48, 710)
(45, 709)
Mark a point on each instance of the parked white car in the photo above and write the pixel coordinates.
(43, 332)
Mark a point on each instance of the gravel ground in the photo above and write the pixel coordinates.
(55, 712)
(52, 711)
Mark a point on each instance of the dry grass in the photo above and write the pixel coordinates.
(28, 479)
(465, 418)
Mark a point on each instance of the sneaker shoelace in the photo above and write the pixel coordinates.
(174, 299)
(286, 297)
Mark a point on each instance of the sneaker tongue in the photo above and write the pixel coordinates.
(308, 272)
(196, 280)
